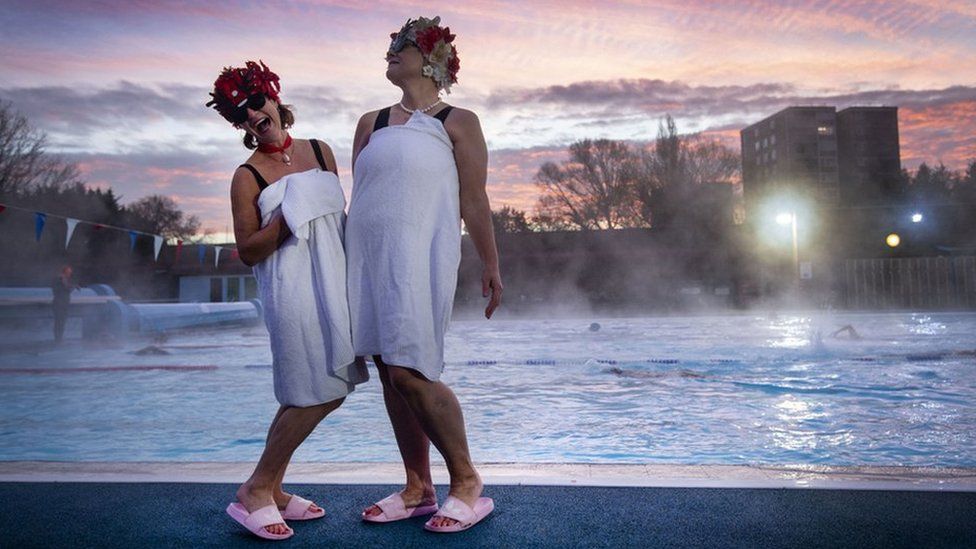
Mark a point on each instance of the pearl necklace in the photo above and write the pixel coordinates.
(423, 110)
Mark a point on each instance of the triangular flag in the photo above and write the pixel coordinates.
(179, 249)
(132, 240)
(39, 220)
(157, 245)
(235, 254)
(217, 255)
(71, 229)
(201, 252)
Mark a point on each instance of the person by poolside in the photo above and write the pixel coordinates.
(420, 167)
(61, 288)
(288, 223)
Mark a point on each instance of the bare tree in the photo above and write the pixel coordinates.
(158, 214)
(593, 189)
(510, 220)
(674, 169)
(21, 151)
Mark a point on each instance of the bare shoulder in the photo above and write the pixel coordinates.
(463, 124)
(463, 118)
(329, 156)
(367, 120)
(244, 184)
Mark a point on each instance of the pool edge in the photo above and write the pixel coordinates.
(942, 479)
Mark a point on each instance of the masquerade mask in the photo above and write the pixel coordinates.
(434, 42)
(255, 102)
(240, 88)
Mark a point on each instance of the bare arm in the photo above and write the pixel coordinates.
(363, 130)
(471, 156)
(254, 244)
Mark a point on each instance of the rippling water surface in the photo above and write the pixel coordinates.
(722, 389)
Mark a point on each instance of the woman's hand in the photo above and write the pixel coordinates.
(491, 286)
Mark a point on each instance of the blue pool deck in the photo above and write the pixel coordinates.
(46, 504)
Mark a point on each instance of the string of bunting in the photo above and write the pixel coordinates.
(41, 218)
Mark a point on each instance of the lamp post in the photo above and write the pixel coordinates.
(789, 218)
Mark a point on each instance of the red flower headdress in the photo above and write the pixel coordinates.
(434, 42)
(235, 84)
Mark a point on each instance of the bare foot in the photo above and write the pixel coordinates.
(411, 498)
(253, 499)
(467, 491)
(282, 498)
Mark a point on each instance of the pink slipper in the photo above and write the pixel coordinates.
(256, 521)
(394, 509)
(465, 516)
(298, 509)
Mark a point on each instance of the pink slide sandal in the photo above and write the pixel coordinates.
(256, 521)
(298, 509)
(465, 516)
(394, 509)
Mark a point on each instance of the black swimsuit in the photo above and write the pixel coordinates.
(262, 182)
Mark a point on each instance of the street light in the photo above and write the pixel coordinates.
(789, 218)
(893, 240)
(917, 217)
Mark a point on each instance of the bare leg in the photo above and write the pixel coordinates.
(413, 444)
(435, 408)
(290, 428)
(280, 496)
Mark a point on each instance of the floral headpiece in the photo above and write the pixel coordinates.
(236, 84)
(441, 61)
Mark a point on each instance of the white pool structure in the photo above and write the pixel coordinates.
(756, 391)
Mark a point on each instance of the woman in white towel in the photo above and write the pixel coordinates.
(420, 167)
(288, 223)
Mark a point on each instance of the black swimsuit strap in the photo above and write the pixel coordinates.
(318, 154)
(382, 119)
(442, 115)
(262, 183)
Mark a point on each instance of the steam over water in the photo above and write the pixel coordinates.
(734, 389)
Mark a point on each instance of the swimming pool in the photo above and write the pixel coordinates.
(736, 389)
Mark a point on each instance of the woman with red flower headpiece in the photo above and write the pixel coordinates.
(420, 167)
(289, 219)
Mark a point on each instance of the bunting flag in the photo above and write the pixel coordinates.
(157, 245)
(72, 223)
(39, 220)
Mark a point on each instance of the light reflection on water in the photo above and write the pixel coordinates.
(721, 389)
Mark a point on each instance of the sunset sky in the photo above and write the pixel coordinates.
(120, 87)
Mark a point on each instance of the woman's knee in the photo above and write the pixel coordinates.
(405, 380)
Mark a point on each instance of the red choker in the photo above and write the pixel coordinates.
(271, 149)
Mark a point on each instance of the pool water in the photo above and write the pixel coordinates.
(736, 389)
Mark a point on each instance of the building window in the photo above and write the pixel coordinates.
(772, 154)
(757, 145)
(772, 139)
(825, 130)
(216, 290)
(233, 289)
